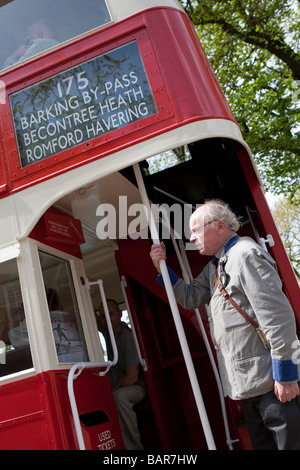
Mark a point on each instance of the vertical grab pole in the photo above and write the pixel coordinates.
(187, 277)
(71, 376)
(176, 316)
(142, 361)
(261, 241)
(76, 370)
(99, 283)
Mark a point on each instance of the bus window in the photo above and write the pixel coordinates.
(14, 342)
(167, 159)
(29, 27)
(63, 309)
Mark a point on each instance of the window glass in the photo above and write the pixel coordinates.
(14, 343)
(166, 160)
(63, 309)
(29, 27)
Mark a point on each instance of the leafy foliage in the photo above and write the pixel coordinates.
(253, 46)
(287, 216)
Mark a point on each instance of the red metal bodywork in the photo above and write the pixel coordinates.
(183, 94)
(36, 413)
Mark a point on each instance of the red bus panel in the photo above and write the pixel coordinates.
(52, 134)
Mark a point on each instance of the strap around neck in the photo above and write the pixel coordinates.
(232, 241)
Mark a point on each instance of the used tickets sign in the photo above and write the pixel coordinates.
(80, 104)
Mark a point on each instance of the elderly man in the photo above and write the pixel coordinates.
(264, 377)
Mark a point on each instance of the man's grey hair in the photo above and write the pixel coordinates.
(216, 209)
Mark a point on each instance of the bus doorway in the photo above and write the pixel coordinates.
(117, 251)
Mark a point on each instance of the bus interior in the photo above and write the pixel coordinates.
(115, 249)
(205, 169)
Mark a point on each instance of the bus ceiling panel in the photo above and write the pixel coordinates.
(108, 206)
(213, 171)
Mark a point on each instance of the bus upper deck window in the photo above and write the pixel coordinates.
(30, 27)
(63, 309)
(14, 343)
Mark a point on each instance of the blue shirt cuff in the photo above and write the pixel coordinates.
(173, 278)
(284, 371)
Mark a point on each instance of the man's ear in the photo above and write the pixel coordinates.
(221, 225)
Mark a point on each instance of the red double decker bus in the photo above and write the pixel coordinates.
(94, 96)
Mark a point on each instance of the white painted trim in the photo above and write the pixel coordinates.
(23, 374)
(9, 251)
(86, 309)
(122, 9)
(37, 316)
(31, 203)
(43, 349)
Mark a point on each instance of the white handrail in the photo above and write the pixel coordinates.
(176, 316)
(84, 365)
(188, 278)
(99, 283)
(71, 376)
(141, 359)
(261, 241)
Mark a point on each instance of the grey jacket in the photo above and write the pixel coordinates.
(246, 368)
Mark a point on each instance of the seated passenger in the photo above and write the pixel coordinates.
(126, 377)
(40, 36)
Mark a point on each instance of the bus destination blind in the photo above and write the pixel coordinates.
(87, 101)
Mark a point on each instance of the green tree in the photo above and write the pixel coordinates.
(287, 218)
(253, 46)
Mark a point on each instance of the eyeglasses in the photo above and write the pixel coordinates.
(198, 229)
